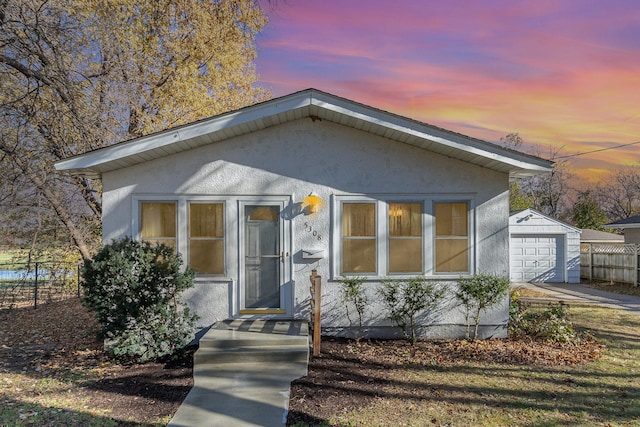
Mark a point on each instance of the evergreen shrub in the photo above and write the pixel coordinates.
(134, 290)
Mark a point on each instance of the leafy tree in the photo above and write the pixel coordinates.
(512, 140)
(77, 75)
(134, 289)
(480, 292)
(587, 212)
(518, 201)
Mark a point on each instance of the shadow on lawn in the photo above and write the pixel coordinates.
(347, 382)
(56, 344)
(26, 413)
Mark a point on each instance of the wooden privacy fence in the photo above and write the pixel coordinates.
(612, 262)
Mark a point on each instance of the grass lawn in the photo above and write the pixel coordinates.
(57, 375)
(620, 288)
(6, 257)
(477, 385)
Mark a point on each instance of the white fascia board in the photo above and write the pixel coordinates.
(91, 161)
(143, 144)
(623, 226)
(409, 127)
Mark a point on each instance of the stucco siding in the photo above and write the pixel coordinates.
(294, 159)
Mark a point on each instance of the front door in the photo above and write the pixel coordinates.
(263, 260)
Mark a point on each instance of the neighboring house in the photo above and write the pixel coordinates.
(543, 249)
(600, 237)
(256, 198)
(630, 228)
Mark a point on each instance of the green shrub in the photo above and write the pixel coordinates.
(479, 293)
(353, 294)
(405, 299)
(134, 288)
(551, 324)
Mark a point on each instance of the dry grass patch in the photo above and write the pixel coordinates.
(54, 372)
(481, 383)
(619, 288)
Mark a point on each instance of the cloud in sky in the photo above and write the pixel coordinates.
(564, 74)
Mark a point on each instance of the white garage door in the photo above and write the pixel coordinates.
(538, 258)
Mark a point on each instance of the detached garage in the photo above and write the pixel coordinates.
(543, 249)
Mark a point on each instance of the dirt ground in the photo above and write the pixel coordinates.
(347, 375)
(57, 343)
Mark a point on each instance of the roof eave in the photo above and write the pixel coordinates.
(306, 103)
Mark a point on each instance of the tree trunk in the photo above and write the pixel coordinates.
(58, 206)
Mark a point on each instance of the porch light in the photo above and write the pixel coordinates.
(312, 203)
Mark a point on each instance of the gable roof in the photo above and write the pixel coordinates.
(524, 215)
(631, 222)
(309, 103)
(597, 236)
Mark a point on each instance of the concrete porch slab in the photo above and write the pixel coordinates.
(243, 372)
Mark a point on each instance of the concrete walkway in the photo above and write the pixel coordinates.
(242, 374)
(580, 293)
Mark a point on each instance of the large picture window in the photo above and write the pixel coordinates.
(451, 237)
(405, 238)
(359, 238)
(158, 222)
(206, 237)
(402, 236)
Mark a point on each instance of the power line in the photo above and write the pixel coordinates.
(598, 150)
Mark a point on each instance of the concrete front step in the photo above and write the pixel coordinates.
(233, 339)
(239, 341)
(266, 354)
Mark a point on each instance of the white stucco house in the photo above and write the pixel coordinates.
(255, 199)
(543, 249)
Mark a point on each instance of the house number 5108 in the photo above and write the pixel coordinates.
(310, 229)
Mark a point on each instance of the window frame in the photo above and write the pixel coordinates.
(182, 225)
(468, 237)
(376, 237)
(189, 238)
(389, 238)
(428, 238)
(157, 239)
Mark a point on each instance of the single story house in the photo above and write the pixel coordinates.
(630, 228)
(255, 199)
(543, 249)
(589, 236)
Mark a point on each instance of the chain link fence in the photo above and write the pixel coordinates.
(36, 283)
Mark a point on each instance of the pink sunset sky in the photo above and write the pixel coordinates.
(564, 74)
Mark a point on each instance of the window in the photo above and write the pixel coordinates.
(452, 237)
(358, 238)
(405, 238)
(402, 235)
(206, 237)
(158, 222)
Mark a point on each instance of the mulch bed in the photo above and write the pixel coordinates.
(347, 375)
(58, 340)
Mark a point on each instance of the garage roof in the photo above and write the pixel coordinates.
(314, 104)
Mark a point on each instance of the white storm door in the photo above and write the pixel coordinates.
(262, 258)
